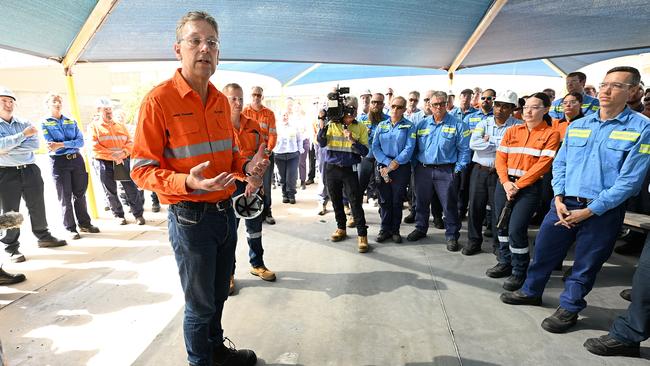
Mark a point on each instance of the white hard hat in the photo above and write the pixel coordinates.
(507, 96)
(103, 103)
(248, 207)
(365, 92)
(6, 92)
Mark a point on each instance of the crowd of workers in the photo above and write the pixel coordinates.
(495, 159)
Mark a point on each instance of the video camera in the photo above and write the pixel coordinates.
(336, 108)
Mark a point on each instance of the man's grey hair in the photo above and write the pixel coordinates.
(193, 16)
(439, 94)
(416, 93)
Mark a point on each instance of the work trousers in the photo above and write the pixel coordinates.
(367, 182)
(463, 182)
(23, 182)
(71, 181)
(288, 170)
(391, 198)
(594, 239)
(133, 197)
(302, 166)
(633, 326)
(439, 180)
(482, 185)
(266, 186)
(341, 178)
(513, 240)
(253, 234)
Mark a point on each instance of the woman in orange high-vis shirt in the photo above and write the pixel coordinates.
(571, 103)
(525, 155)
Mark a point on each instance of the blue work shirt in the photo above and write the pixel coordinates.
(371, 129)
(394, 142)
(458, 112)
(472, 119)
(446, 142)
(63, 130)
(417, 117)
(605, 161)
(485, 151)
(589, 105)
(15, 148)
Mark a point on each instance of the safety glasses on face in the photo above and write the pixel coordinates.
(258, 95)
(413, 100)
(195, 42)
(614, 86)
(377, 102)
(438, 105)
(397, 106)
(426, 100)
(487, 98)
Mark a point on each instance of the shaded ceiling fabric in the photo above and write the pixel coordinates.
(43, 28)
(342, 34)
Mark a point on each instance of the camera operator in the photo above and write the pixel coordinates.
(346, 141)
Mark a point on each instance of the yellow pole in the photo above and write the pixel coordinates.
(74, 105)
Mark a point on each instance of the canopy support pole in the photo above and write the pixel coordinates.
(95, 20)
(482, 26)
(301, 75)
(74, 107)
(554, 67)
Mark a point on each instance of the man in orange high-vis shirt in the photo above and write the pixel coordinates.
(249, 137)
(524, 156)
(266, 119)
(112, 145)
(185, 151)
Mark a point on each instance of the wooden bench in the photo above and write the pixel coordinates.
(637, 221)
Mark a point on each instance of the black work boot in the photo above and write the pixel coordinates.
(230, 356)
(452, 245)
(561, 321)
(514, 283)
(499, 271)
(7, 278)
(519, 298)
(609, 346)
(471, 249)
(410, 218)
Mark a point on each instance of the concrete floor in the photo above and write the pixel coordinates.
(114, 298)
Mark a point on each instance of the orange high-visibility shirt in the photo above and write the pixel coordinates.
(526, 154)
(249, 137)
(266, 119)
(176, 132)
(560, 125)
(109, 139)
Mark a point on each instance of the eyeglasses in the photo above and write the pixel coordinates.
(389, 93)
(376, 102)
(426, 100)
(487, 98)
(413, 100)
(439, 105)
(570, 102)
(646, 99)
(398, 107)
(613, 85)
(533, 107)
(254, 95)
(212, 43)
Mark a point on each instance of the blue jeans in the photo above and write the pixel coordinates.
(594, 237)
(633, 327)
(288, 169)
(204, 247)
(513, 241)
(253, 235)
